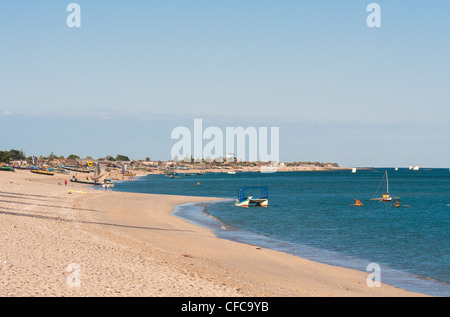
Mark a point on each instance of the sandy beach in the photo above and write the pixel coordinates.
(71, 240)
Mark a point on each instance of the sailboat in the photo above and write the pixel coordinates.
(386, 196)
(100, 177)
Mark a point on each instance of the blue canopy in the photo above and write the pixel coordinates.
(262, 190)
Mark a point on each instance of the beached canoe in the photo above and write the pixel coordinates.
(89, 182)
(7, 168)
(42, 172)
(78, 170)
(22, 167)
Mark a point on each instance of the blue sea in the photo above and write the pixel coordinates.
(311, 215)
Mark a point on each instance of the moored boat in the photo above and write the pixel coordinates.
(246, 201)
(109, 184)
(386, 196)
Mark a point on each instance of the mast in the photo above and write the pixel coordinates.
(387, 183)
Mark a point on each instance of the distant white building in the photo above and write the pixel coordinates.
(229, 157)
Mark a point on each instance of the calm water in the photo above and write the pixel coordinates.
(310, 215)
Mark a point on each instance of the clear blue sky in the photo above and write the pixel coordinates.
(338, 90)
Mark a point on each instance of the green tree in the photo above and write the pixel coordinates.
(121, 157)
(16, 155)
(73, 157)
(4, 157)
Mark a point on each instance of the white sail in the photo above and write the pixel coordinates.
(386, 195)
(99, 173)
(353, 170)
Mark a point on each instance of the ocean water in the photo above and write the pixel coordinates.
(311, 215)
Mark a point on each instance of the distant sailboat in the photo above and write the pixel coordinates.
(353, 170)
(416, 168)
(386, 196)
(100, 177)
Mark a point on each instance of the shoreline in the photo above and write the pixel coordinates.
(129, 244)
(392, 277)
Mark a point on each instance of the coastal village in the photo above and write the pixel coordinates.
(122, 166)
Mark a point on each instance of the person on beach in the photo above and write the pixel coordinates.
(65, 182)
(59, 182)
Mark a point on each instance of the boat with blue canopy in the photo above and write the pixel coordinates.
(261, 200)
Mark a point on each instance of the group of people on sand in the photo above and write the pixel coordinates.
(65, 182)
